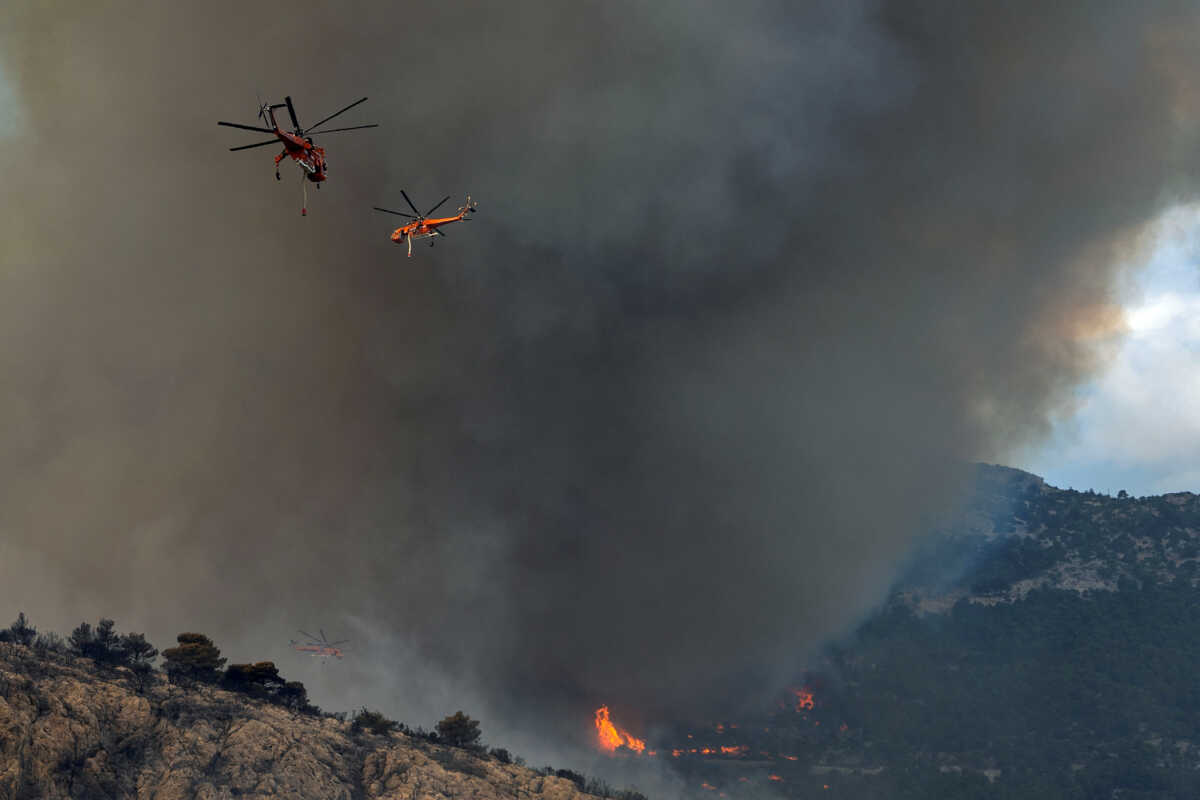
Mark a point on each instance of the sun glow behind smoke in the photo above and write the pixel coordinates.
(1135, 426)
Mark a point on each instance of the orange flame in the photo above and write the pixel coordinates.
(804, 698)
(708, 786)
(774, 778)
(735, 751)
(611, 737)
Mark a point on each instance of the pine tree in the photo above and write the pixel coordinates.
(106, 645)
(136, 652)
(259, 680)
(195, 659)
(21, 632)
(82, 640)
(459, 730)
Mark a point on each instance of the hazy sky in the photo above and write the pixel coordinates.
(1136, 426)
(748, 284)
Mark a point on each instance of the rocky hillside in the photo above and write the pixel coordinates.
(1016, 534)
(68, 730)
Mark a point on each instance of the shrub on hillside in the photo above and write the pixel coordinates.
(459, 730)
(20, 632)
(574, 777)
(196, 659)
(263, 681)
(50, 642)
(372, 722)
(103, 645)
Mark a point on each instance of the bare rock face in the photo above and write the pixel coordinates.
(67, 731)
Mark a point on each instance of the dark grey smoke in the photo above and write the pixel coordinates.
(747, 282)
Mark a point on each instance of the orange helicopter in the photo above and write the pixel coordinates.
(421, 226)
(298, 143)
(318, 647)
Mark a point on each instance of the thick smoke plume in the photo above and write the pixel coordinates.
(747, 283)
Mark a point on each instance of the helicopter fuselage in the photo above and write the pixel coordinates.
(318, 650)
(310, 157)
(422, 229)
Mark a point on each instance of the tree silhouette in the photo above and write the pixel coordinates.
(195, 659)
(372, 722)
(106, 644)
(459, 730)
(136, 652)
(81, 641)
(21, 632)
(260, 679)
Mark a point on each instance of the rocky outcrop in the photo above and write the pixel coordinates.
(68, 731)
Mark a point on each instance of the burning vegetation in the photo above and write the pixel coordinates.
(724, 755)
(804, 699)
(611, 737)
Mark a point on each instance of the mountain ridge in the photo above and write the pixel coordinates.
(70, 730)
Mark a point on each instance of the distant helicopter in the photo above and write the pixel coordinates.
(318, 647)
(423, 228)
(298, 143)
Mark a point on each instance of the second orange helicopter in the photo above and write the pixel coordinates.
(421, 226)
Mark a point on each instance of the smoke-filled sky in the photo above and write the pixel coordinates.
(748, 282)
(1136, 425)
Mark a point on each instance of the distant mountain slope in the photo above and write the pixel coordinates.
(1016, 533)
(68, 731)
(1043, 643)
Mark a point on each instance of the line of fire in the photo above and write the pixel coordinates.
(729, 759)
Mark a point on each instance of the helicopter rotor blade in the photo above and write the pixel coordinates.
(397, 213)
(439, 205)
(334, 114)
(309, 635)
(246, 127)
(292, 112)
(260, 144)
(338, 130)
(323, 639)
(410, 204)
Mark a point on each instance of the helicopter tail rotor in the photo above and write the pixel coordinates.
(262, 107)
